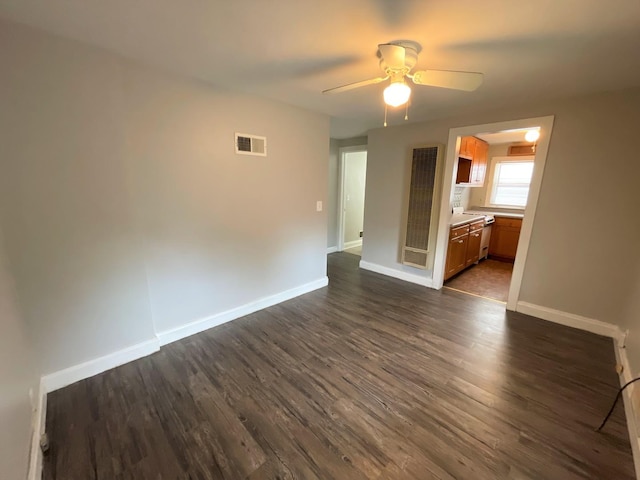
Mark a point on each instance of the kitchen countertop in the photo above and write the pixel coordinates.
(497, 213)
(459, 219)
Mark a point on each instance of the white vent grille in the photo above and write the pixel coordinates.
(251, 145)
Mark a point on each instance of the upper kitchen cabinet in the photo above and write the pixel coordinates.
(472, 162)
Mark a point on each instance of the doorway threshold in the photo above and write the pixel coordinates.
(474, 295)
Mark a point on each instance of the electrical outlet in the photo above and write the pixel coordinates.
(319, 206)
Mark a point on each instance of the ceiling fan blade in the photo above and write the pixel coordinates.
(393, 55)
(467, 81)
(351, 86)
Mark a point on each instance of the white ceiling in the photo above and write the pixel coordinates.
(291, 50)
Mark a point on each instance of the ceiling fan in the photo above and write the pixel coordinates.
(396, 61)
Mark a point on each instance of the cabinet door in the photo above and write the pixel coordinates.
(456, 255)
(504, 238)
(468, 146)
(473, 247)
(479, 167)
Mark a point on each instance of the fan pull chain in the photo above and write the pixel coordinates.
(406, 112)
(385, 114)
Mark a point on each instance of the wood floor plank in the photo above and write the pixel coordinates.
(368, 378)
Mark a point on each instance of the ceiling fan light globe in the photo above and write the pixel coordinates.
(397, 94)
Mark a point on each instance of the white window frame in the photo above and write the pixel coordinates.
(492, 178)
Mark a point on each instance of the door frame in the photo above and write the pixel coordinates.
(341, 189)
(453, 147)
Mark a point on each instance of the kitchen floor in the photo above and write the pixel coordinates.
(489, 279)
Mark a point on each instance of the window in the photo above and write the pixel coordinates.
(510, 182)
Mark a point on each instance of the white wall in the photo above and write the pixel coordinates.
(125, 209)
(18, 375)
(332, 194)
(355, 176)
(587, 204)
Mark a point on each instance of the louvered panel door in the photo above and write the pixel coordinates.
(415, 251)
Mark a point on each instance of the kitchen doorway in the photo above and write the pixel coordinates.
(488, 207)
(353, 174)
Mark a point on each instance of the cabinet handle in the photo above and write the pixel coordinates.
(460, 241)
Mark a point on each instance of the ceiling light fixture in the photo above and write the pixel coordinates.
(397, 94)
(532, 135)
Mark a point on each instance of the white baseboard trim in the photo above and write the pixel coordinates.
(391, 272)
(354, 243)
(62, 378)
(332, 249)
(200, 325)
(570, 320)
(630, 410)
(38, 428)
(70, 375)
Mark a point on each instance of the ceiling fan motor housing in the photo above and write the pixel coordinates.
(410, 60)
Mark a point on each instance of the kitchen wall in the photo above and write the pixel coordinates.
(125, 209)
(18, 375)
(334, 178)
(591, 173)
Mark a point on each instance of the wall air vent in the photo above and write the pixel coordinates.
(251, 145)
(421, 211)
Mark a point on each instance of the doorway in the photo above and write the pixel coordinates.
(353, 174)
(501, 197)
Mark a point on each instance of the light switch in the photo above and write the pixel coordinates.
(319, 206)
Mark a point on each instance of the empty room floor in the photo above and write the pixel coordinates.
(368, 378)
(489, 279)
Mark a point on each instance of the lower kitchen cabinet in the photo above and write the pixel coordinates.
(504, 238)
(456, 255)
(473, 246)
(464, 247)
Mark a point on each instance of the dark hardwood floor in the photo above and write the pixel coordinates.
(370, 377)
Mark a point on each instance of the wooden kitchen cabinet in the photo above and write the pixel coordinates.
(473, 246)
(467, 146)
(464, 247)
(504, 238)
(479, 163)
(456, 255)
(472, 162)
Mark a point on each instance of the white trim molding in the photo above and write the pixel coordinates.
(62, 378)
(197, 326)
(332, 250)
(353, 243)
(570, 320)
(630, 407)
(38, 425)
(392, 272)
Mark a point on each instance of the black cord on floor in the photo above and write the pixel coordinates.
(615, 402)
